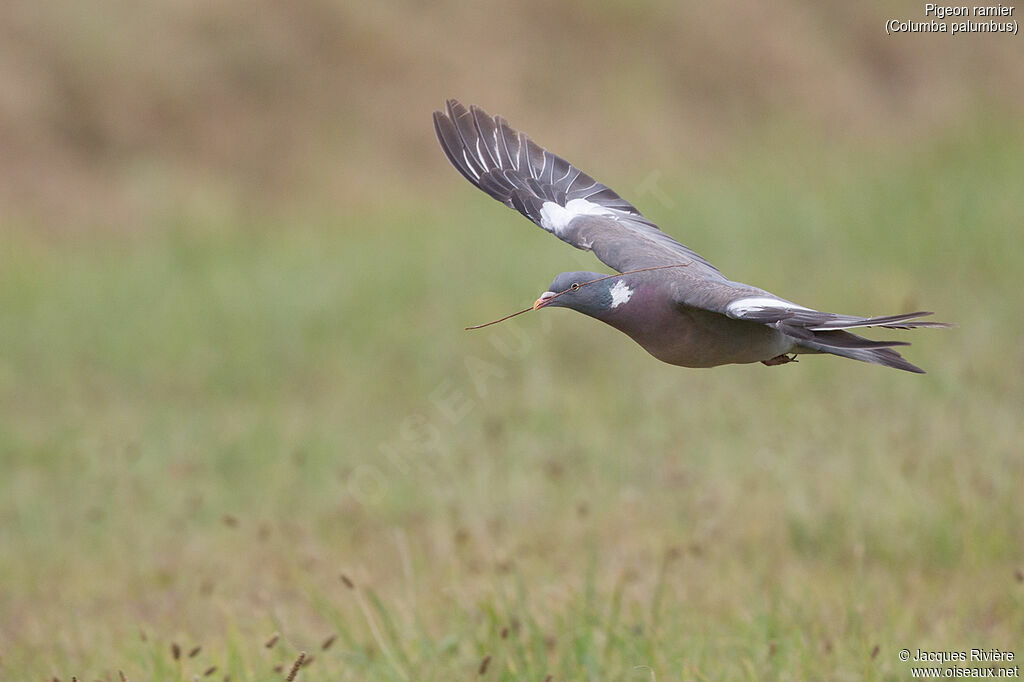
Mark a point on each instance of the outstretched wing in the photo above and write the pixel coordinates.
(813, 330)
(744, 302)
(556, 195)
(797, 320)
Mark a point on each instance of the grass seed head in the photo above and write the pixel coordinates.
(295, 667)
(483, 665)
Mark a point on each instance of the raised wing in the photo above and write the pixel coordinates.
(556, 195)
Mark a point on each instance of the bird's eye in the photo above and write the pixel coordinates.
(574, 286)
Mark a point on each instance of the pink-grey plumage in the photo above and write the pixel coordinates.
(690, 314)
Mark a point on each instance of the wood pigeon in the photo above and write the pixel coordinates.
(669, 299)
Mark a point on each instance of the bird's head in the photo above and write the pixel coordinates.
(570, 290)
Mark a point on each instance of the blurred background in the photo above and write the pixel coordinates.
(120, 114)
(234, 272)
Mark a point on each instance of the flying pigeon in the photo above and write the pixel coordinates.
(679, 307)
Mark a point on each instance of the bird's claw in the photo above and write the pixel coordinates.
(779, 360)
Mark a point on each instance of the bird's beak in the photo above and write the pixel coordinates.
(543, 300)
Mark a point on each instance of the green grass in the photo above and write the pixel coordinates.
(203, 427)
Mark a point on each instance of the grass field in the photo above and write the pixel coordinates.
(206, 424)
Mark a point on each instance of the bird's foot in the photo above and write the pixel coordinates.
(780, 360)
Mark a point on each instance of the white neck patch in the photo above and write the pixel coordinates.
(621, 293)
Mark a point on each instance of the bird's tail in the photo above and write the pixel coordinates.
(819, 332)
(856, 347)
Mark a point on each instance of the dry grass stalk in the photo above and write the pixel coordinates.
(375, 631)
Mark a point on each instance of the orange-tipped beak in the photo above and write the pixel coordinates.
(543, 300)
